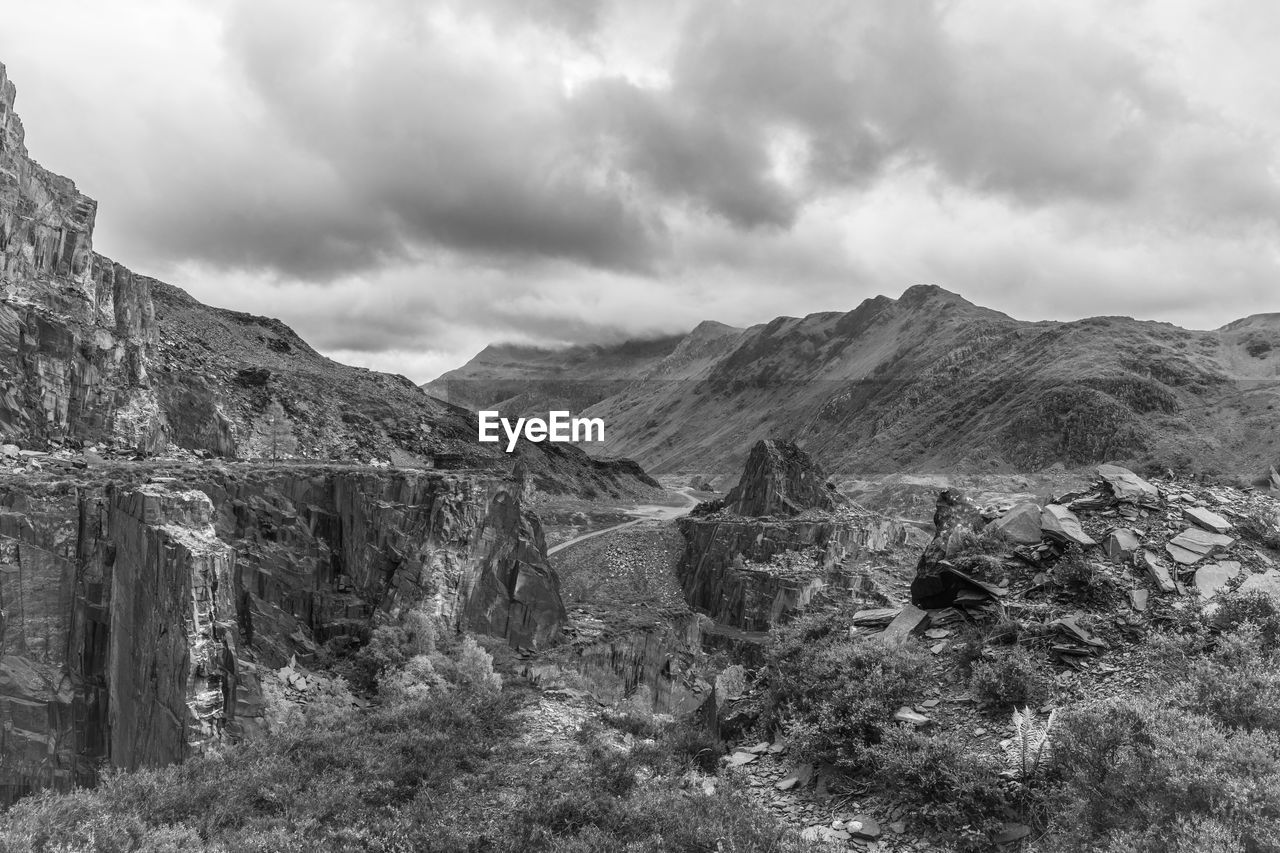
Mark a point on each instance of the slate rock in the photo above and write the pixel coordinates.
(863, 826)
(1193, 545)
(1159, 572)
(1121, 544)
(1138, 599)
(1211, 579)
(741, 758)
(1207, 519)
(910, 620)
(1021, 524)
(1128, 486)
(908, 715)
(1062, 524)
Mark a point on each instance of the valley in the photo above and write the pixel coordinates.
(918, 576)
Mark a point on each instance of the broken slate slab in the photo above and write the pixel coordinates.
(1205, 518)
(1213, 578)
(1120, 544)
(875, 617)
(1021, 525)
(1128, 486)
(1159, 572)
(1138, 599)
(740, 759)
(1062, 524)
(863, 826)
(1268, 582)
(907, 715)
(910, 620)
(1193, 545)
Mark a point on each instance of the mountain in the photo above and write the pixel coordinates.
(92, 354)
(932, 381)
(525, 379)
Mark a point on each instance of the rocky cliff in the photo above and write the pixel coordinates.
(137, 617)
(778, 537)
(92, 354)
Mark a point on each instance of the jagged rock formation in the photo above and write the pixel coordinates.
(93, 354)
(779, 480)
(751, 574)
(749, 560)
(137, 617)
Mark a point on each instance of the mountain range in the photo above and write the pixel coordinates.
(927, 381)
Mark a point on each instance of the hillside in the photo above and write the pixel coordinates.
(931, 381)
(94, 355)
(527, 379)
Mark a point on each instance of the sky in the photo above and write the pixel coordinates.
(406, 181)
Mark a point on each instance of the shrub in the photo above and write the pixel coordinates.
(1083, 580)
(1256, 607)
(1016, 677)
(952, 790)
(832, 693)
(1143, 771)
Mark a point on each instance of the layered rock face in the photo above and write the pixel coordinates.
(77, 331)
(137, 618)
(748, 573)
(779, 480)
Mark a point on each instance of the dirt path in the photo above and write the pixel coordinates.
(642, 512)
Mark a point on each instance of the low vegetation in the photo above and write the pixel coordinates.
(445, 762)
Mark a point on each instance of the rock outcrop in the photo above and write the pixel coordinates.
(777, 538)
(138, 617)
(779, 480)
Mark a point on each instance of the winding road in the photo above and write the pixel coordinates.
(643, 512)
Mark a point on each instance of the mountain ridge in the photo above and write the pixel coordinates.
(932, 380)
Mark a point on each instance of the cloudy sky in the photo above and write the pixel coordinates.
(404, 181)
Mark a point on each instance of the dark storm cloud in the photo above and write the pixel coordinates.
(397, 176)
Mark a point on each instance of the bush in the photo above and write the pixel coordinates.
(952, 790)
(1144, 772)
(831, 693)
(1016, 677)
(1257, 607)
(1083, 580)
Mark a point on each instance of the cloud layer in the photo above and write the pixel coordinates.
(406, 181)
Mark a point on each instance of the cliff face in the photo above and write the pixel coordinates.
(77, 331)
(91, 353)
(137, 617)
(749, 574)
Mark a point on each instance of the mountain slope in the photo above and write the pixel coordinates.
(930, 380)
(525, 379)
(93, 354)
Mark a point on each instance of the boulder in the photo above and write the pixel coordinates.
(1211, 579)
(1062, 524)
(10, 451)
(1206, 519)
(1128, 486)
(1021, 524)
(779, 479)
(956, 519)
(1121, 544)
